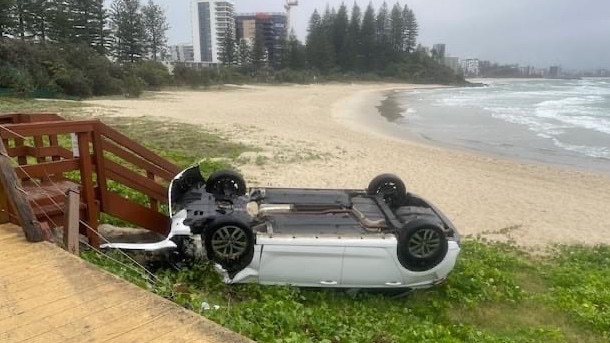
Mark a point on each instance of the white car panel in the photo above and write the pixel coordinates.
(308, 266)
(370, 267)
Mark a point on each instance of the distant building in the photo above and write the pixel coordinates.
(181, 53)
(554, 71)
(528, 71)
(211, 19)
(602, 73)
(470, 67)
(272, 26)
(438, 50)
(453, 63)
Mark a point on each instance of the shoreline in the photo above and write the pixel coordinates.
(402, 132)
(332, 136)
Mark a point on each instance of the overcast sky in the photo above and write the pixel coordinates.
(571, 33)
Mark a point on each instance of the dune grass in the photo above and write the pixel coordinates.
(11, 104)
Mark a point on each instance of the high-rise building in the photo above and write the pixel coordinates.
(272, 26)
(554, 71)
(211, 20)
(181, 53)
(470, 67)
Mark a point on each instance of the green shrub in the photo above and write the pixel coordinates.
(74, 82)
(293, 76)
(133, 86)
(16, 79)
(154, 74)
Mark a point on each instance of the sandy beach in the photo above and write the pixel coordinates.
(332, 136)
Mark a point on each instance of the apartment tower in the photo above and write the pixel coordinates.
(272, 26)
(210, 21)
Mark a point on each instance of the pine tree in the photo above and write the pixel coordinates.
(228, 53)
(368, 35)
(397, 29)
(39, 18)
(156, 27)
(353, 42)
(6, 18)
(411, 30)
(129, 32)
(20, 14)
(99, 31)
(62, 22)
(383, 26)
(311, 41)
(340, 28)
(295, 53)
(320, 52)
(244, 58)
(259, 58)
(79, 16)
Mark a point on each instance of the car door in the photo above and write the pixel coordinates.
(373, 267)
(301, 265)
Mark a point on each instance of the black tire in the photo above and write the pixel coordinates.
(226, 183)
(390, 187)
(230, 243)
(422, 245)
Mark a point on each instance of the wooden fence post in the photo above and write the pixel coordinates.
(19, 201)
(71, 221)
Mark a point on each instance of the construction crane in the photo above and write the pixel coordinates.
(289, 5)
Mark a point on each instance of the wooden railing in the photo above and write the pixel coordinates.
(54, 155)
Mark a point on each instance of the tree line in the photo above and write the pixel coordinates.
(335, 41)
(127, 31)
(343, 43)
(80, 47)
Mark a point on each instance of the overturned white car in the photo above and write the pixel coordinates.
(381, 237)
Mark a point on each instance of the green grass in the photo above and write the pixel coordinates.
(10, 104)
(182, 143)
(497, 293)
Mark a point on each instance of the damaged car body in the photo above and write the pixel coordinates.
(378, 237)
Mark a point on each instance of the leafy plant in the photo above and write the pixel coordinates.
(469, 307)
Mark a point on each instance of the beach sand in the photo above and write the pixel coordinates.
(333, 136)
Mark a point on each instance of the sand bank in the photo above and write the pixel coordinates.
(333, 136)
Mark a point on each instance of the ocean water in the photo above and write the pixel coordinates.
(565, 122)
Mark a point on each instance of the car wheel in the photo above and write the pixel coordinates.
(230, 243)
(390, 187)
(422, 245)
(226, 183)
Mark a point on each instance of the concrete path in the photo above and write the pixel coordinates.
(48, 295)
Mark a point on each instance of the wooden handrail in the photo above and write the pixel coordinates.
(40, 152)
(16, 117)
(47, 128)
(95, 141)
(136, 148)
(136, 160)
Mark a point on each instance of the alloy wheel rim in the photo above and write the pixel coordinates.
(229, 242)
(424, 243)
